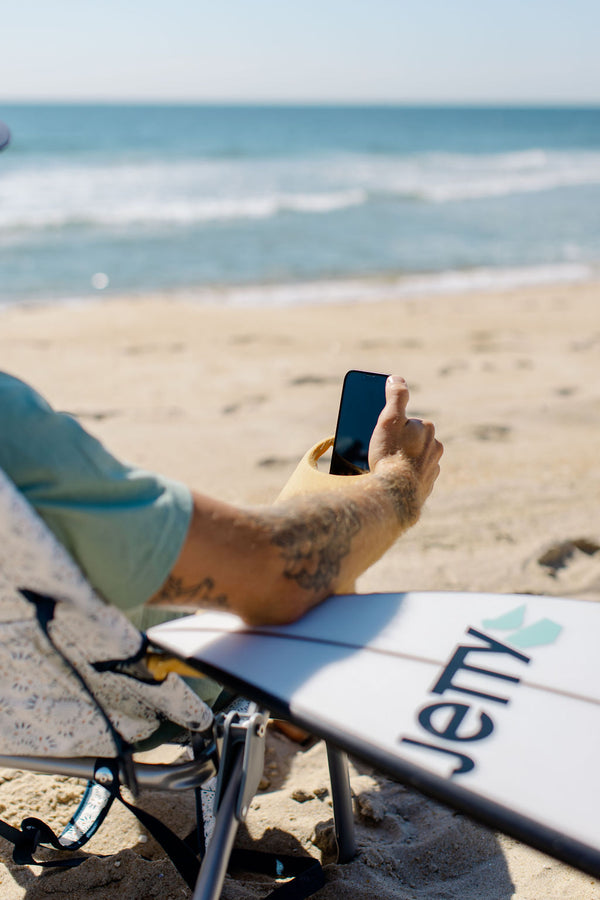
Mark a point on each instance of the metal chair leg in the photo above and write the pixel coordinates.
(343, 815)
(241, 769)
(214, 865)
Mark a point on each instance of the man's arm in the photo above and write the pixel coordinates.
(273, 564)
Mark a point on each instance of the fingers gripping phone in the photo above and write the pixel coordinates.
(363, 398)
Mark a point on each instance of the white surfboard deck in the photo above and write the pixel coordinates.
(487, 702)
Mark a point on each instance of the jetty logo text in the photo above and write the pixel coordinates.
(460, 722)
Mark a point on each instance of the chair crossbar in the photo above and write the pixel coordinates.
(149, 776)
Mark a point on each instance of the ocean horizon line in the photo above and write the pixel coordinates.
(160, 102)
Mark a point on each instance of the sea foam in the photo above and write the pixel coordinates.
(353, 290)
(195, 192)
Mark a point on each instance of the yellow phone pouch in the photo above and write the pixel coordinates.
(307, 478)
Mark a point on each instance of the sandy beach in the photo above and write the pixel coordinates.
(228, 400)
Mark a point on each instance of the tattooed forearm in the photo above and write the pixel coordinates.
(272, 564)
(314, 546)
(175, 592)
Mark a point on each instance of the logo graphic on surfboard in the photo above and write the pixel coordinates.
(539, 633)
(461, 722)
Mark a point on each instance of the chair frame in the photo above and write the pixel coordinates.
(239, 742)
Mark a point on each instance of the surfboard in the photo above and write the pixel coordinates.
(489, 703)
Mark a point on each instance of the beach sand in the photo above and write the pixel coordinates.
(228, 400)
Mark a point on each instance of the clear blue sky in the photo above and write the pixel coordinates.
(315, 50)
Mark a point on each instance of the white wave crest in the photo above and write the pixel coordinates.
(445, 177)
(515, 173)
(182, 194)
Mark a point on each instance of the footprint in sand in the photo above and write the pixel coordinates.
(96, 415)
(380, 343)
(484, 342)
(243, 339)
(570, 567)
(491, 432)
(566, 391)
(136, 349)
(303, 380)
(560, 555)
(274, 462)
(252, 400)
(588, 343)
(454, 365)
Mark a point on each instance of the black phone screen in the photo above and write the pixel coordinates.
(363, 398)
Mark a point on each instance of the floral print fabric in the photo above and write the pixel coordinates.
(44, 708)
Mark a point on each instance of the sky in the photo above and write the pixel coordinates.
(425, 51)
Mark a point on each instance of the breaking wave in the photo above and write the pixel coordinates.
(124, 195)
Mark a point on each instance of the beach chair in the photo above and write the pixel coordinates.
(78, 700)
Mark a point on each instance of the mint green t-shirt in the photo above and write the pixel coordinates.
(124, 527)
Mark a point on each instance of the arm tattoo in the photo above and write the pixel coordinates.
(175, 593)
(314, 546)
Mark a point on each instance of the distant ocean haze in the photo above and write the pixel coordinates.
(294, 204)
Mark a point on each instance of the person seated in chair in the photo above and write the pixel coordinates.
(144, 540)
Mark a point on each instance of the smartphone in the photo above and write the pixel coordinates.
(363, 398)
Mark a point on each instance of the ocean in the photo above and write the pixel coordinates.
(292, 204)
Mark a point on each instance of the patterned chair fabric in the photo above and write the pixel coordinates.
(65, 679)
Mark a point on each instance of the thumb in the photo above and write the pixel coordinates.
(387, 436)
(396, 400)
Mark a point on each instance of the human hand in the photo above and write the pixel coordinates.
(411, 439)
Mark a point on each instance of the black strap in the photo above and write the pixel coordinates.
(26, 840)
(180, 854)
(306, 872)
(34, 832)
(83, 824)
(90, 814)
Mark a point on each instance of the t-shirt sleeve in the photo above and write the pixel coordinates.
(124, 526)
